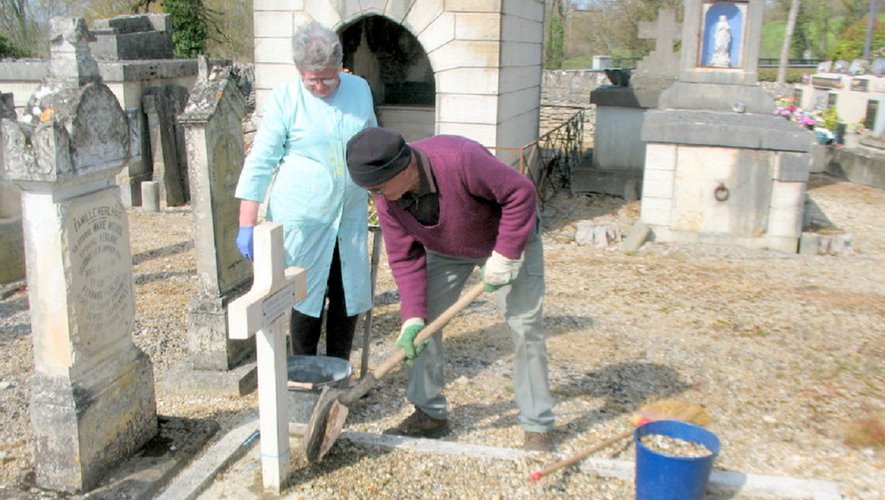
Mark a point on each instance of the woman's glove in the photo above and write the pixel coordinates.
(499, 271)
(244, 241)
(406, 342)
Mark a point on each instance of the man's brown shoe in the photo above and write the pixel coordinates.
(420, 424)
(538, 441)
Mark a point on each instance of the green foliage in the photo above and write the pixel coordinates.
(794, 75)
(851, 42)
(9, 50)
(555, 47)
(190, 27)
(831, 118)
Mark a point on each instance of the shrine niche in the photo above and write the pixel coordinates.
(723, 35)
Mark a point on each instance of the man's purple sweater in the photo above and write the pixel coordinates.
(484, 205)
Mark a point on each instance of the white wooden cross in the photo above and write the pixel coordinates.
(265, 311)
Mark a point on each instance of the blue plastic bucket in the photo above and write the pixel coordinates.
(665, 477)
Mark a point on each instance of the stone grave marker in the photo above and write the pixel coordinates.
(212, 121)
(161, 105)
(719, 166)
(264, 312)
(12, 254)
(92, 397)
(663, 60)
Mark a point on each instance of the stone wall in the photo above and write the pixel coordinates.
(563, 93)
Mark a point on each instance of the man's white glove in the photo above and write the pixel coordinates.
(499, 271)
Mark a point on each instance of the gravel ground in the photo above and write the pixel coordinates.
(785, 352)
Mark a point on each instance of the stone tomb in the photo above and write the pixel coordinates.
(217, 363)
(92, 399)
(720, 167)
(618, 149)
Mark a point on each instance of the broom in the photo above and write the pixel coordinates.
(663, 409)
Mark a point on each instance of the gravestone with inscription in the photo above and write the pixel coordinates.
(720, 167)
(92, 397)
(217, 363)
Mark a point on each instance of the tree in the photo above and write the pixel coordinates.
(7, 49)
(852, 40)
(788, 36)
(190, 26)
(18, 26)
(554, 47)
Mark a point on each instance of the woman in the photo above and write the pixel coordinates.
(306, 124)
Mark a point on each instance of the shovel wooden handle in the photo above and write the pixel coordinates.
(434, 326)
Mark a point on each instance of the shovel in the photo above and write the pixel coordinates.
(332, 406)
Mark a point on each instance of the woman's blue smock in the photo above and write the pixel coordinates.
(313, 196)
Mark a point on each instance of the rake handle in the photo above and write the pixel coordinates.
(685, 415)
(580, 456)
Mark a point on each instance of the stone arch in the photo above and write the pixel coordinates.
(485, 57)
(398, 70)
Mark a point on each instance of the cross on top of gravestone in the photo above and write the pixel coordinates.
(71, 58)
(665, 31)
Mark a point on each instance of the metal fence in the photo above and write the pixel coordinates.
(549, 160)
(766, 62)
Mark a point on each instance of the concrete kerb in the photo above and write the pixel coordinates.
(197, 476)
(239, 440)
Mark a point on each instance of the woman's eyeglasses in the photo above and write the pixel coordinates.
(326, 82)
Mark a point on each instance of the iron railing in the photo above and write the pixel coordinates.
(549, 160)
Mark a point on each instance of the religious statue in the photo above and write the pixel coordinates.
(722, 44)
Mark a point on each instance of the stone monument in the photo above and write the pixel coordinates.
(92, 398)
(212, 121)
(720, 167)
(618, 150)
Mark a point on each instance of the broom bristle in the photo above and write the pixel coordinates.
(671, 409)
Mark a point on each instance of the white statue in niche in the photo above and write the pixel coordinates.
(722, 44)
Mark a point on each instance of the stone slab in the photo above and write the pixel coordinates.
(182, 379)
(144, 474)
(200, 473)
(626, 184)
(636, 237)
(12, 267)
(725, 129)
(863, 165)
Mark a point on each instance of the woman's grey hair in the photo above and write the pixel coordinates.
(315, 47)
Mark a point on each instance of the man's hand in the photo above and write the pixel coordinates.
(406, 342)
(244, 241)
(499, 271)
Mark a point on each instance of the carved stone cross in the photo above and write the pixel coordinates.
(264, 311)
(664, 32)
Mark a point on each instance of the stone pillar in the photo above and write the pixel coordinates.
(161, 105)
(92, 399)
(215, 154)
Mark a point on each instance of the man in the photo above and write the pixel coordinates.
(446, 206)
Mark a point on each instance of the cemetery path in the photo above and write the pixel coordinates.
(785, 351)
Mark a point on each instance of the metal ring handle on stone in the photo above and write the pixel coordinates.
(721, 193)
